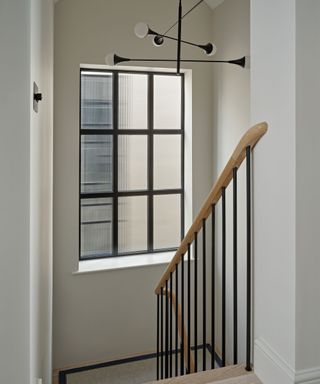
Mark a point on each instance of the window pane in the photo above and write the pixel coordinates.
(132, 223)
(167, 102)
(132, 167)
(133, 101)
(96, 163)
(167, 161)
(96, 101)
(96, 228)
(167, 221)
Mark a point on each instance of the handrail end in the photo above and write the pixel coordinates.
(260, 129)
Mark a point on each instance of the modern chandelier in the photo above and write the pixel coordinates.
(142, 30)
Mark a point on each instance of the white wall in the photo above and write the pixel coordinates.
(41, 174)
(231, 116)
(14, 203)
(285, 88)
(273, 100)
(109, 314)
(307, 185)
(273, 81)
(25, 221)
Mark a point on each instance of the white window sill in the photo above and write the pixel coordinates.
(124, 262)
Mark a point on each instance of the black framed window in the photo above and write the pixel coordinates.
(131, 162)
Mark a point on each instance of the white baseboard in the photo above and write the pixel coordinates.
(271, 368)
(308, 376)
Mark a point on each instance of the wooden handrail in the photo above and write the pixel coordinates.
(249, 139)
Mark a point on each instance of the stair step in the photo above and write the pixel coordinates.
(246, 379)
(231, 374)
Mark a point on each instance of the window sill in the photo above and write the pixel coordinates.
(123, 262)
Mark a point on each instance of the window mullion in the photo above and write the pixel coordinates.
(182, 152)
(115, 231)
(150, 162)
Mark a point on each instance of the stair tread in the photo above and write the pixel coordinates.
(245, 379)
(228, 375)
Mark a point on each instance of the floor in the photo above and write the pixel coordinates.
(132, 372)
(234, 374)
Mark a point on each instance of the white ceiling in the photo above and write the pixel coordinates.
(214, 3)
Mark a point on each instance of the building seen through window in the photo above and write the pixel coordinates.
(131, 162)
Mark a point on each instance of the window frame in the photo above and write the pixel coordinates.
(150, 132)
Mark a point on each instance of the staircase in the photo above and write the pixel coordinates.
(188, 289)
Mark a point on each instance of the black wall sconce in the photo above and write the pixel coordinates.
(37, 96)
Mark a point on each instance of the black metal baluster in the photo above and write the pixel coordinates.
(161, 332)
(189, 308)
(158, 335)
(167, 333)
(177, 319)
(235, 269)
(223, 193)
(248, 176)
(204, 294)
(195, 302)
(213, 273)
(182, 317)
(170, 311)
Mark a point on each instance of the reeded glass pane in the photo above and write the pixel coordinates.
(167, 102)
(167, 161)
(96, 101)
(96, 228)
(96, 163)
(132, 223)
(132, 166)
(167, 221)
(133, 101)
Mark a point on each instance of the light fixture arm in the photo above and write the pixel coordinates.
(143, 30)
(114, 59)
(208, 48)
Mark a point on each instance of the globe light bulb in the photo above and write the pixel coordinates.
(141, 30)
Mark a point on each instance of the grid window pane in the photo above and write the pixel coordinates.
(167, 102)
(96, 163)
(133, 101)
(96, 228)
(167, 221)
(167, 161)
(96, 101)
(132, 162)
(132, 224)
(120, 153)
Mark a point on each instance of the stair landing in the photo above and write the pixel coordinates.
(234, 374)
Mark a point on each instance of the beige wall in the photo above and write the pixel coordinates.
(112, 313)
(231, 118)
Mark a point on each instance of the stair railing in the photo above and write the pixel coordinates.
(171, 288)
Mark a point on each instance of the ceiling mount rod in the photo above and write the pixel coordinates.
(186, 14)
(179, 37)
